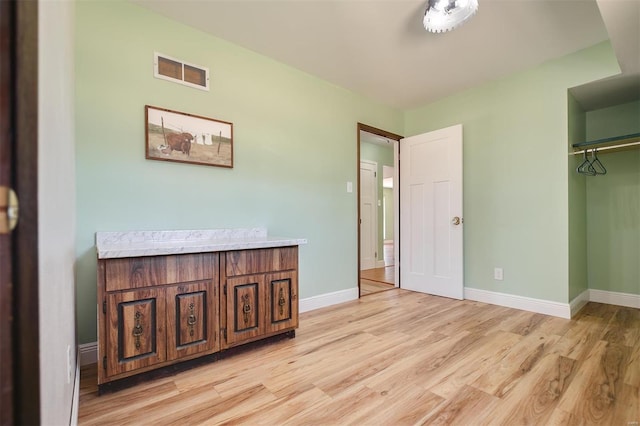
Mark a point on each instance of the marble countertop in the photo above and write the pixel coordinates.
(111, 245)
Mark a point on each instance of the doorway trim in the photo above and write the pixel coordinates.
(394, 137)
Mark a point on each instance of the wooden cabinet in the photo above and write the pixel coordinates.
(259, 296)
(156, 310)
(159, 310)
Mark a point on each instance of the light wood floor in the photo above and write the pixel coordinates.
(383, 275)
(403, 358)
(369, 287)
(377, 279)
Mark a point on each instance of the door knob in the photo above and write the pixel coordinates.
(8, 210)
(456, 220)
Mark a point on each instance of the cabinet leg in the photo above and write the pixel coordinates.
(291, 334)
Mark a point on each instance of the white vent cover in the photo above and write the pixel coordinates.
(178, 71)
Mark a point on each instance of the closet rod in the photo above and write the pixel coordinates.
(605, 148)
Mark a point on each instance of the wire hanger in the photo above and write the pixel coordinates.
(585, 168)
(597, 166)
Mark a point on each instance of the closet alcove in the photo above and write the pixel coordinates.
(604, 207)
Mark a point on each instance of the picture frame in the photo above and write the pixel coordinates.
(187, 138)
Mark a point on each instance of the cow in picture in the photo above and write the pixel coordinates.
(178, 142)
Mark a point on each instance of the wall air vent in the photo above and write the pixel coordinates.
(172, 69)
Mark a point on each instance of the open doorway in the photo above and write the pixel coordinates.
(378, 213)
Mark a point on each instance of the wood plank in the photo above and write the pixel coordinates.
(469, 406)
(544, 388)
(599, 395)
(517, 363)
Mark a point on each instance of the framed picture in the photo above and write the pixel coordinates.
(187, 138)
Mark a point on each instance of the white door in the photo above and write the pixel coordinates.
(368, 214)
(431, 213)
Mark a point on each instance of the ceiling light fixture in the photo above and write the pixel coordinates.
(445, 15)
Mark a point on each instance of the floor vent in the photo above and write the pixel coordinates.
(171, 69)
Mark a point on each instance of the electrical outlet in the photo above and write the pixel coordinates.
(497, 274)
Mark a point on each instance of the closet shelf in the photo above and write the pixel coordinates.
(617, 143)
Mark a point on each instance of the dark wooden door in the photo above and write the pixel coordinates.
(6, 293)
(282, 309)
(192, 319)
(136, 332)
(245, 304)
(19, 336)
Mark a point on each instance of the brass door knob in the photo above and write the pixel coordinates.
(456, 220)
(8, 210)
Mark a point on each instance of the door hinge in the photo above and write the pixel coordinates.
(223, 332)
(104, 306)
(225, 289)
(375, 174)
(375, 255)
(104, 362)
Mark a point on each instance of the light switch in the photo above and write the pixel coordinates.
(349, 186)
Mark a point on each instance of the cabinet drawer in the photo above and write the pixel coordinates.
(148, 271)
(245, 262)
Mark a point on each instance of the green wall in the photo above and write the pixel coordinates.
(383, 156)
(613, 204)
(294, 147)
(578, 280)
(515, 172)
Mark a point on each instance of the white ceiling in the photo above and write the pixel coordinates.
(378, 48)
(622, 20)
(366, 137)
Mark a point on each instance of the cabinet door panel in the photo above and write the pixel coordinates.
(192, 315)
(136, 334)
(283, 301)
(192, 318)
(245, 308)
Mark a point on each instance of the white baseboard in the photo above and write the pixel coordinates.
(614, 298)
(579, 302)
(88, 353)
(540, 306)
(328, 299)
(380, 264)
(75, 404)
